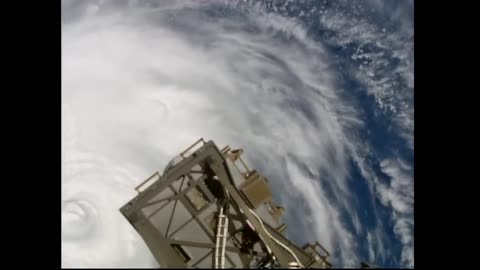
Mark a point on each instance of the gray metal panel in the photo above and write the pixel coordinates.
(180, 217)
(151, 209)
(193, 232)
(196, 253)
(207, 262)
(161, 250)
(160, 219)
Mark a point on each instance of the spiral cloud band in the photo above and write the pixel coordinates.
(142, 82)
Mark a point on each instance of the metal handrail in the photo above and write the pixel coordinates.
(189, 148)
(144, 182)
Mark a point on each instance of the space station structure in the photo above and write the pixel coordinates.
(208, 209)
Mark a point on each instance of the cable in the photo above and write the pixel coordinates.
(276, 241)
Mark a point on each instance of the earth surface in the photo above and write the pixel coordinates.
(319, 94)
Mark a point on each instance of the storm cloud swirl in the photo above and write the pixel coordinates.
(142, 80)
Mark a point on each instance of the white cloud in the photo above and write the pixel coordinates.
(392, 89)
(399, 194)
(140, 87)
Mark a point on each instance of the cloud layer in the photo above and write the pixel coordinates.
(139, 84)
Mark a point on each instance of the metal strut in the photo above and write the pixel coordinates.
(221, 240)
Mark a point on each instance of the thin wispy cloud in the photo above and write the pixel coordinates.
(138, 86)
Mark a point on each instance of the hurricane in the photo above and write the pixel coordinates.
(319, 94)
